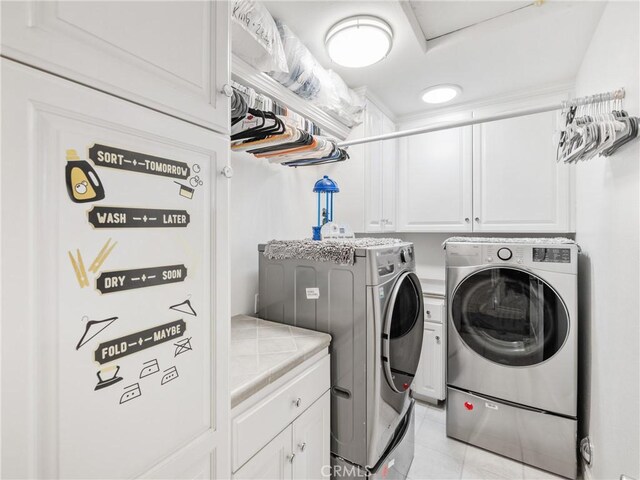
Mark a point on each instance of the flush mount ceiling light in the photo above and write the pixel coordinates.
(441, 93)
(359, 41)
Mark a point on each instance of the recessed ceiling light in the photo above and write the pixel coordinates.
(359, 41)
(441, 93)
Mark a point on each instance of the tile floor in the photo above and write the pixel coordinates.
(440, 457)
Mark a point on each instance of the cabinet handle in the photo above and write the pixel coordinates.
(466, 219)
(303, 445)
(227, 90)
(477, 219)
(428, 313)
(297, 402)
(291, 457)
(438, 338)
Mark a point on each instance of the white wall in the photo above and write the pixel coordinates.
(607, 230)
(277, 202)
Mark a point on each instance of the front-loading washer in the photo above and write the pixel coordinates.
(512, 364)
(374, 312)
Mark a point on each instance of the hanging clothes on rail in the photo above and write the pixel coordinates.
(595, 126)
(276, 133)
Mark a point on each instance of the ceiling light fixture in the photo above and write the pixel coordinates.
(359, 41)
(441, 93)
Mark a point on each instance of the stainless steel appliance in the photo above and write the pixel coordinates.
(374, 313)
(512, 349)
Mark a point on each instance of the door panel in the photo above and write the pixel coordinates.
(402, 337)
(373, 170)
(510, 317)
(389, 165)
(518, 186)
(171, 56)
(311, 441)
(434, 184)
(429, 377)
(273, 462)
(129, 378)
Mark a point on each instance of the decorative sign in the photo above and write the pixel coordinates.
(112, 157)
(136, 342)
(119, 280)
(124, 217)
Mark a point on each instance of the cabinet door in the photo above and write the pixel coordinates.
(103, 242)
(273, 462)
(171, 56)
(373, 171)
(389, 166)
(311, 441)
(429, 380)
(517, 184)
(434, 184)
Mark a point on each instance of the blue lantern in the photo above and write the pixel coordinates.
(327, 187)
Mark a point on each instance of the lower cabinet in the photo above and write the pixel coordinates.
(284, 430)
(429, 379)
(300, 451)
(274, 461)
(429, 382)
(311, 445)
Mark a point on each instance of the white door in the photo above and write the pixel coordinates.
(273, 462)
(434, 184)
(312, 441)
(172, 56)
(373, 213)
(517, 184)
(114, 287)
(429, 380)
(389, 166)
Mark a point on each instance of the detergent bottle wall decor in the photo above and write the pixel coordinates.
(83, 184)
(324, 187)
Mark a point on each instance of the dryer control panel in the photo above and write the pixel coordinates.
(551, 257)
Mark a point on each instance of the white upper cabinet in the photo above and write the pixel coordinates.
(389, 167)
(434, 186)
(380, 173)
(170, 56)
(517, 184)
(497, 176)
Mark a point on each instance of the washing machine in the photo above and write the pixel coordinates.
(374, 312)
(512, 364)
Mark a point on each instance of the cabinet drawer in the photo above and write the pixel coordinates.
(434, 309)
(254, 428)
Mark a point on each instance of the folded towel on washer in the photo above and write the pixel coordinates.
(341, 251)
(538, 240)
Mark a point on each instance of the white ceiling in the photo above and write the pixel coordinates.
(533, 47)
(440, 18)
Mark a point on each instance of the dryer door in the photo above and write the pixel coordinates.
(402, 332)
(509, 316)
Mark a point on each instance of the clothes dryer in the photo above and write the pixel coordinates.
(512, 364)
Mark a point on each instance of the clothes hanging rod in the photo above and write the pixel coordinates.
(613, 95)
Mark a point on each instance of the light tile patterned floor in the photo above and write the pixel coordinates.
(439, 457)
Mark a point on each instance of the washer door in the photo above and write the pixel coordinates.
(402, 332)
(509, 316)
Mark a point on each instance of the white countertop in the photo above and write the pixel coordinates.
(263, 351)
(433, 286)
